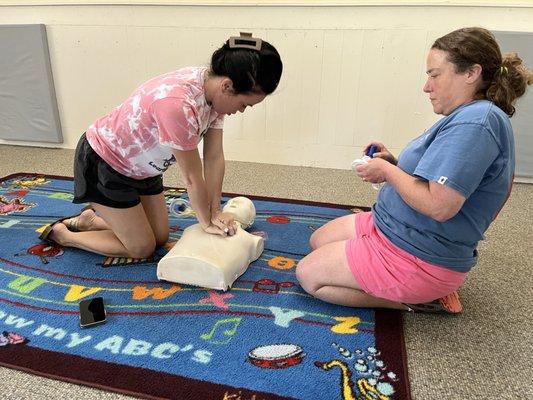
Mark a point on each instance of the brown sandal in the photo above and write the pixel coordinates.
(45, 235)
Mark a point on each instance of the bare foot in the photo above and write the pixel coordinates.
(59, 231)
(82, 222)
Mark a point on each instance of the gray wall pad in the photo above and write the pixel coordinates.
(522, 121)
(28, 106)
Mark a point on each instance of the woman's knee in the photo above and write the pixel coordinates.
(161, 238)
(142, 251)
(304, 275)
(316, 240)
(141, 248)
(339, 229)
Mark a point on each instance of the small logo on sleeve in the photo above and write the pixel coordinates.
(442, 180)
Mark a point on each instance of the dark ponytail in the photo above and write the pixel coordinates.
(509, 83)
(251, 71)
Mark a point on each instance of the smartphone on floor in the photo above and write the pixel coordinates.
(92, 312)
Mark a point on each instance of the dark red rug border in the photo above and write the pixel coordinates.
(390, 339)
(139, 382)
(133, 381)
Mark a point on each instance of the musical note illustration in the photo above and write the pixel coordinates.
(227, 334)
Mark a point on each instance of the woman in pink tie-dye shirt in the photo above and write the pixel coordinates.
(120, 159)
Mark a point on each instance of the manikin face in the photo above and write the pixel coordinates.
(243, 209)
(447, 88)
(225, 101)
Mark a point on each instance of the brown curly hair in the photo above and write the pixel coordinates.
(504, 79)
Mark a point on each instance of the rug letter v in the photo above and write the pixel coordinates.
(77, 292)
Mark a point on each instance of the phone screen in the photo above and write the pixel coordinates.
(92, 312)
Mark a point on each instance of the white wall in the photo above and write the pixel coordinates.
(352, 73)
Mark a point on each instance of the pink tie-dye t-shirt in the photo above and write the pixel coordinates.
(167, 112)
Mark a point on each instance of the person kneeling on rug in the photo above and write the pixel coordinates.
(120, 160)
(213, 261)
(414, 249)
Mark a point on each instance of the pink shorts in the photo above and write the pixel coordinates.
(383, 270)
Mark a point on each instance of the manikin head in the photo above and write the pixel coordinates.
(243, 210)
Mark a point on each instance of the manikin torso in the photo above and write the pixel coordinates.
(213, 261)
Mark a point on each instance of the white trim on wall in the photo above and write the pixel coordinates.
(280, 3)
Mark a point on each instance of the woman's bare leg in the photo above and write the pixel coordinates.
(155, 209)
(325, 274)
(342, 228)
(118, 232)
(129, 234)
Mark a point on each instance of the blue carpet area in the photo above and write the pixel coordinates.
(264, 336)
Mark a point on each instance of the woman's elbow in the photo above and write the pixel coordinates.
(444, 213)
(444, 202)
(441, 217)
(191, 179)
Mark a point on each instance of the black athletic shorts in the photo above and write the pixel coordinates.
(96, 181)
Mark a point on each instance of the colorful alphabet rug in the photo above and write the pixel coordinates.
(263, 339)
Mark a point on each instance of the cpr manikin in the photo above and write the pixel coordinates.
(213, 261)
